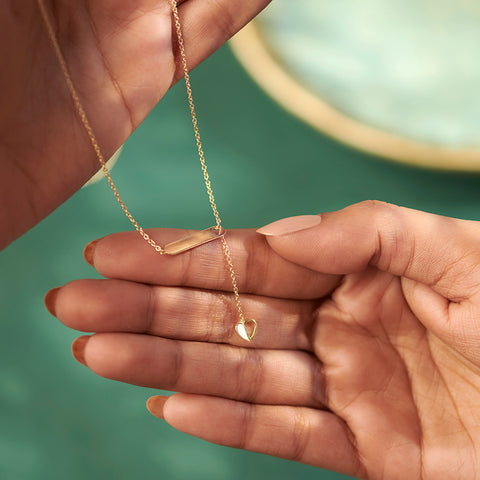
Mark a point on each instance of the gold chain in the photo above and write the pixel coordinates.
(226, 249)
(83, 117)
(181, 48)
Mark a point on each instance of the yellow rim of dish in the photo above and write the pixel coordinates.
(252, 51)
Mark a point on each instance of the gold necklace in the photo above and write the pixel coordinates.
(246, 328)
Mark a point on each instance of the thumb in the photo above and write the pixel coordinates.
(436, 258)
(439, 252)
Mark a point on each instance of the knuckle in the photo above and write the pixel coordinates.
(376, 208)
(177, 366)
(248, 421)
(393, 245)
(249, 375)
(257, 265)
(151, 308)
(319, 391)
(300, 436)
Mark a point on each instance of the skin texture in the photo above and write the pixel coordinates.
(366, 359)
(121, 57)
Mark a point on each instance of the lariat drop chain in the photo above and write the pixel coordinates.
(245, 328)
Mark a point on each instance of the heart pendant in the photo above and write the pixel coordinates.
(242, 329)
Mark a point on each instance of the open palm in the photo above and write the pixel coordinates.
(121, 57)
(365, 361)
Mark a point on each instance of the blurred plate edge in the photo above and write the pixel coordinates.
(253, 53)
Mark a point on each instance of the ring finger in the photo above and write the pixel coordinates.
(272, 377)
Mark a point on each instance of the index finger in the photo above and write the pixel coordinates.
(258, 268)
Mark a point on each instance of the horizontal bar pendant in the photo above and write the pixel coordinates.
(194, 240)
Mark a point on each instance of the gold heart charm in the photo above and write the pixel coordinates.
(241, 329)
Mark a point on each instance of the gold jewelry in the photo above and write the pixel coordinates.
(246, 328)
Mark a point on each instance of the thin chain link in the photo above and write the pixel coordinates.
(88, 129)
(186, 75)
(101, 160)
(228, 259)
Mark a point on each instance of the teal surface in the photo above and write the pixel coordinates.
(60, 421)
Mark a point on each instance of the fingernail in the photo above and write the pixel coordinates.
(51, 300)
(89, 251)
(290, 225)
(155, 405)
(78, 349)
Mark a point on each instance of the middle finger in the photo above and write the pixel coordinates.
(181, 313)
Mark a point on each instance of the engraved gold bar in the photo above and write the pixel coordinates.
(194, 240)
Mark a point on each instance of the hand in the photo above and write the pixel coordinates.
(366, 360)
(120, 55)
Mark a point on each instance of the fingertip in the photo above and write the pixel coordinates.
(50, 300)
(156, 404)
(78, 349)
(89, 252)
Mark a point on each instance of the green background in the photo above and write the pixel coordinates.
(57, 419)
